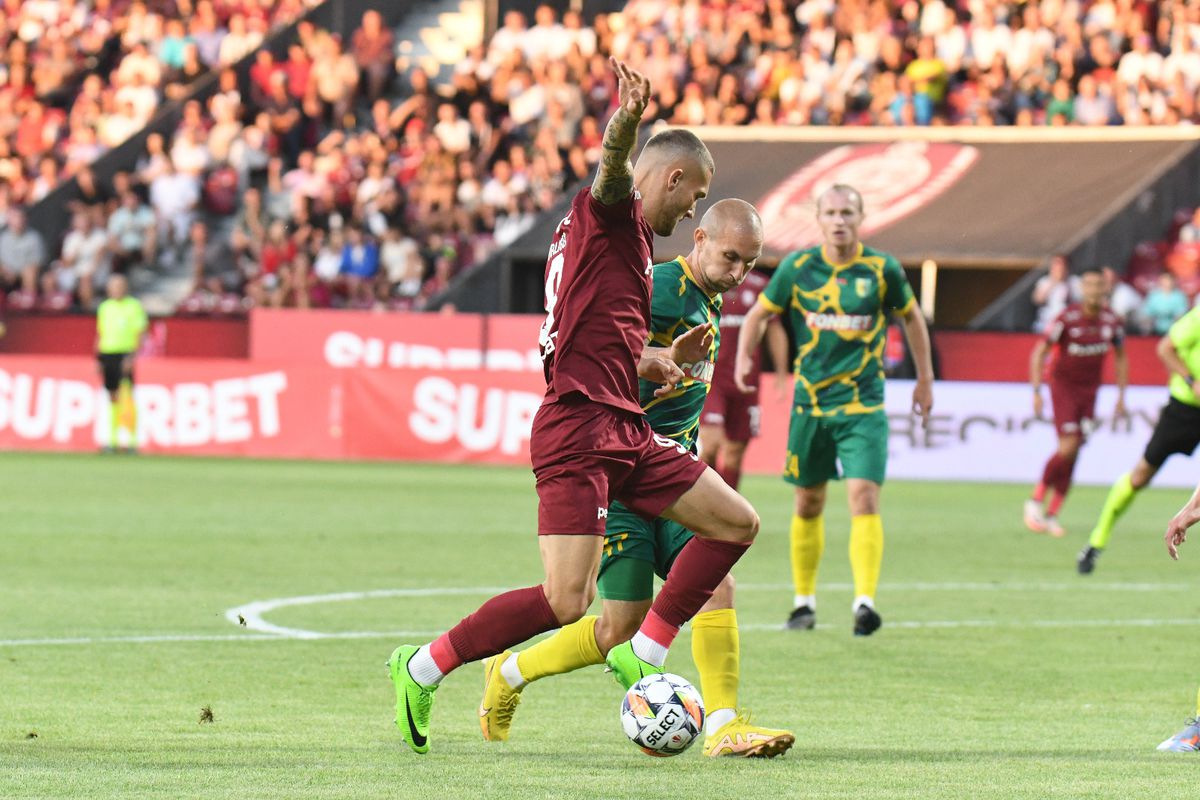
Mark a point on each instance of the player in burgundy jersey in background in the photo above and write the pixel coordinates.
(590, 443)
(731, 416)
(1083, 334)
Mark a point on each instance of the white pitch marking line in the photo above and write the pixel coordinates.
(756, 628)
(250, 615)
(253, 612)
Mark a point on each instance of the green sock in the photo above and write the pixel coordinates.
(1119, 498)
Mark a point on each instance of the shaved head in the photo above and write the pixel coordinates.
(731, 215)
(726, 245)
(844, 190)
(677, 146)
(672, 174)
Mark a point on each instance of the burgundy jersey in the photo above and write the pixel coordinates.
(1083, 342)
(598, 281)
(735, 305)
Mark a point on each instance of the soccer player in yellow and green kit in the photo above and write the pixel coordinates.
(839, 295)
(1177, 431)
(686, 293)
(120, 324)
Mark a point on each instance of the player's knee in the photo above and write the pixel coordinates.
(744, 526)
(1141, 476)
(569, 606)
(809, 503)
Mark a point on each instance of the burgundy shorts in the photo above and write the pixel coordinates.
(734, 411)
(585, 455)
(1074, 408)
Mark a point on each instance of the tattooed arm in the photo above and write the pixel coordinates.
(614, 179)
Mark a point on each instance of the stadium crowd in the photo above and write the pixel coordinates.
(340, 176)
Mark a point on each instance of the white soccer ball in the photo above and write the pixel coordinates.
(662, 714)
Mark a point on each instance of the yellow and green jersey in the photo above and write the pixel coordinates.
(839, 315)
(678, 304)
(119, 325)
(1185, 335)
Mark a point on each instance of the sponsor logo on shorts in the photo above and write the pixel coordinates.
(839, 322)
(601, 513)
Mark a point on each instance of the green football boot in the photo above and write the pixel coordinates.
(626, 667)
(413, 701)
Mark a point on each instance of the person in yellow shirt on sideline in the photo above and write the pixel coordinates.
(120, 324)
(928, 73)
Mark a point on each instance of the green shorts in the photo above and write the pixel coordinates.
(635, 550)
(816, 445)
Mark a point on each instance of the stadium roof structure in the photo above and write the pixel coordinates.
(965, 197)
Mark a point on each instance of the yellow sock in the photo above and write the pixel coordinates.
(715, 649)
(128, 416)
(866, 553)
(808, 543)
(572, 648)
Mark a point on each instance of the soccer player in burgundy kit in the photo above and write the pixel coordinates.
(590, 443)
(731, 417)
(1083, 334)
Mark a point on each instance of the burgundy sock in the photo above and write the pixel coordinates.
(1051, 472)
(501, 622)
(1039, 491)
(1056, 501)
(1065, 473)
(698, 569)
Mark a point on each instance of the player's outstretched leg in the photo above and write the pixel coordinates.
(505, 620)
(1120, 496)
(716, 649)
(725, 524)
(507, 674)
(414, 701)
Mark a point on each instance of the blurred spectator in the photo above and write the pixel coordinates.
(132, 233)
(215, 270)
(359, 267)
(1164, 304)
(400, 257)
(22, 255)
(1052, 293)
(1091, 106)
(1190, 232)
(1123, 299)
(174, 196)
(84, 262)
(372, 44)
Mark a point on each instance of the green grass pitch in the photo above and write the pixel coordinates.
(1000, 673)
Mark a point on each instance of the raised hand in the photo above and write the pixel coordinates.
(633, 88)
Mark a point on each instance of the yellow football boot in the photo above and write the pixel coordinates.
(499, 700)
(740, 738)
